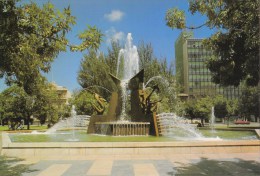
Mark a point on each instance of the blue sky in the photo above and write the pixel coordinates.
(115, 18)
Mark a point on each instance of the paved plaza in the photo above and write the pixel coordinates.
(246, 164)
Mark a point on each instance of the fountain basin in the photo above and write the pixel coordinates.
(49, 149)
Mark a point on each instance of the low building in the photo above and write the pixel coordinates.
(63, 94)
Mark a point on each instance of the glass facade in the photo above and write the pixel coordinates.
(196, 78)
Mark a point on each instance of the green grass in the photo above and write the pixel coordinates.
(3, 128)
(32, 127)
(233, 126)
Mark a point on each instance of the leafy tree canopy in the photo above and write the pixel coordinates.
(236, 43)
(232, 107)
(248, 102)
(94, 74)
(199, 108)
(16, 103)
(83, 100)
(30, 39)
(220, 106)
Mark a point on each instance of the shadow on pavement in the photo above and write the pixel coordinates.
(217, 167)
(9, 166)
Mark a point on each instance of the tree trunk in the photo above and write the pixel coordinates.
(28, 122)
(259, 72)
(258, 91)
(202, 121)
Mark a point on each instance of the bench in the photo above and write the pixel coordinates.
(242, 122)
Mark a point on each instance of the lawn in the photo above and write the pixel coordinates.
(252, 125)
(32, 127)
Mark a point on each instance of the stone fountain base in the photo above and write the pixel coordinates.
(72, 149)
(122, 128)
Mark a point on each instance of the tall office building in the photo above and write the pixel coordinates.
(191, 70)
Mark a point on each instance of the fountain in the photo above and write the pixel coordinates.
(175, 126)
(73, 115)
(139, 116)
(129, 58)
(131, 113)
(160, 78)
(123, 118)
(70, 123)
(212, 120)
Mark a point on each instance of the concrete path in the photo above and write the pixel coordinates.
(127, 165)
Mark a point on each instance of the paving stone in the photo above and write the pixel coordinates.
(122, 168)
(196, 165)
(145, 169)
(78, 168)
(164, 167)
(100, 167)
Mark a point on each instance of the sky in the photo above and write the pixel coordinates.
(145, 19)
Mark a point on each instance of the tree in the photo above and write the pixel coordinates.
(248, 102)
(157, 72)
(112, 57)
(18, 105)
(83, 101)
(46, 106)
(232, 107)
(220, 107)
(1, 109)
(236, 43)
(37, 36)
(146, 55)
(94, 74)
(199, 108)
(203, 108)
(189, 109)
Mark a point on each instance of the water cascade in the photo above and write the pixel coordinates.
(73, 115)
(163, 81)
(171, 125)
(212, 119)
(123, 116)
(129, 59)
(76, 122)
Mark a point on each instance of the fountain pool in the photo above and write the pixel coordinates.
(63, 136)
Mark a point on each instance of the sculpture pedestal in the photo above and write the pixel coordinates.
(122, 128)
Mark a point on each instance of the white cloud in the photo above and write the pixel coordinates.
(113, 35)
(118, 36)
(114, 15)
